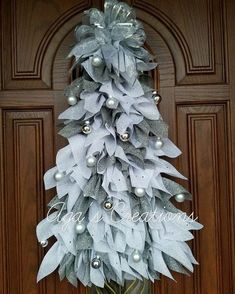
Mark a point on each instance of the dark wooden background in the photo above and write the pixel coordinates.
(195, 44)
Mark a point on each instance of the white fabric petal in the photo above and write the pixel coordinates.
(159, 263)
(74, 112)
(115, 263)
(64, 159)
(94, 102)
(140, 177)
(97, 277)
(43, 229)
(119, 180)
(73, 195)
(49, 180)
(51, 261)
(149, 110)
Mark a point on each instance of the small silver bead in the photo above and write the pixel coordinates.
(139, 192)
(180, 197)
(111, 103)
(80, 228)
(44, 243)
(86, 129)
(108, 204)
(125, 137)
(159, 143)
(91, 161)
(58, 176)
(72, 100)
(156, 97)
(136, 256)
(96, 262)
(96, 61)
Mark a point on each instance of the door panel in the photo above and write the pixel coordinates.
(203, 137)
(194, 42)
(28, 145)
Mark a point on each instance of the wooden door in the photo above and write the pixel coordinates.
(195, 44)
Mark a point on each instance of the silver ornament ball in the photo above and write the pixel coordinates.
(159, 143)
(156, 97)
(136, 256)
(108, 204)
(96, 61)
(111, 103)
(125, 137)
(96, 263)
(72, 100)
(180, 197)
(80, 228)
(44, 243)
(58, 176)
(86, 129)
(91, 161)
(139, 192)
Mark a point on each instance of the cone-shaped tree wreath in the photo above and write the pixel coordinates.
(112, 215)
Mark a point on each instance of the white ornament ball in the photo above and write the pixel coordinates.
(96, 262)
(136, 256)
(91, 161)
(108, 204)
(125, 137)
(139, 192)
(96, 61)
(44, 243)
(58, 176)
(80, 228)
(111, 103)
(86, 129)
(72, 100)
(180, 197)
(159, 143)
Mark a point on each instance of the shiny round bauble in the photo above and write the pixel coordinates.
(108, 204)
(139, 192)
(180, 197)
(91, 161)
(72, 100)
(136, 256)
(44, 243)
(159, 143)
(58, 176)
(156, 97)
(96, 61)
(111, 103)
(86, 129)
(96, 262)
(125, 137)
(80, 228)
